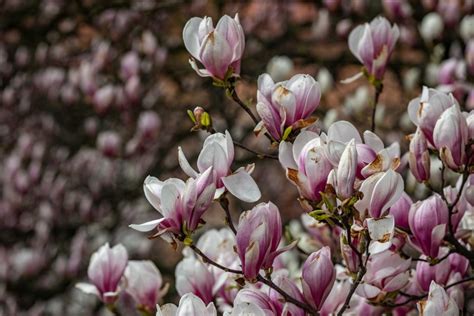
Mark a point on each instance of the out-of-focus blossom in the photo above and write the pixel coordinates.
(386, 272)
(257, 298)
(181, 204)
(438, 303)
(450, 137)
(258, 236)
(425, 110)
(105, 271)
(318, 276)
(397, 9)
(419, 156)
(218, 152)
(428, 223)
(192, 276)
(189, 304)
(219, 49)
(466, 28)
(144, 283)
(287, 103)
(335, 299)
(108, 143)
(244, 309)
(431, 27)
(373, 44)
(280, 68)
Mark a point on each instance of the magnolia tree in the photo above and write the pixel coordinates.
(364, 246)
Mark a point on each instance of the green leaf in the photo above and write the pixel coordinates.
(206, 119)
(286, 133)
(191, 116)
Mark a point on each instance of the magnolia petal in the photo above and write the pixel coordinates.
(371, 139)
(344, 131)
(381, 232)
(190, 36)
(184, 164)
(147, 226)
(285, 155)
(242, 186)
(88, 288)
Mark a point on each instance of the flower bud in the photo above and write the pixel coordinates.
(108, 143)
(428, 222)
(192, 276)
(450, 137)
(220, 50)
(419, 157)
(129, 65)
(373, 44)
(105, 271)
(258, 236)
(346, 171)
(318, 276)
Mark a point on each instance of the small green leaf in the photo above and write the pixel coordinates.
(287, 132)
(191, 116)
(206, 119)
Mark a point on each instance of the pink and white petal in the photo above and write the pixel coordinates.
(368, 291)
(371, 139)
(152, 188)
(147, 226)
(381, 232)
(169, 198)
(242, 186)
(88, 288)
(397, 282)
(437, 235)
(184, 164)
(190, 36)
(301, 140)
(354, 40)
(344, 131)
(285, 155)
(200, 72)
(386, 192)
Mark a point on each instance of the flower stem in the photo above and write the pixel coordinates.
(378, 90)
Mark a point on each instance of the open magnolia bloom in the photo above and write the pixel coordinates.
(286, 104)
(218, 152)
(372, 44)
(219, 49)
(181, 204)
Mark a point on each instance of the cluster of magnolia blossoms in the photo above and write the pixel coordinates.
(351, 185)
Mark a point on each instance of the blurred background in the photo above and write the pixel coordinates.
(93, 98)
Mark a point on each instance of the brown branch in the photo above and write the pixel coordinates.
(258, 154)
(224, 202)
(206, 259)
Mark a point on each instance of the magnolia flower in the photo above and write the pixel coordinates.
(193, 276)
(181, 204)
(287, 103)
(282, 280)
(381, 191)
(258, 236)
(386, 272)
(438, 303)
(318, 276)
(189, 305)
(373, 44)
(425, 110)
(346, 171)
(419, 156)
(450, 137)
(431, 27)
(306, 164)
(426, 273)
(106, 268)
(335, 299)
(428, 223)
(144, 283)
(219, 49)
(218, 152)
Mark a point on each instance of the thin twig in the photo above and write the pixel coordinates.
(206, 259)
(224, 202)
(258, 154)
(286, 296)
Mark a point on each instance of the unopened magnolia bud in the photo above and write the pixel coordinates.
(109, 143)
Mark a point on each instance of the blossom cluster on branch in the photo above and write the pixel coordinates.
(383, 251)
